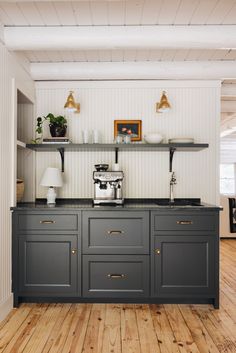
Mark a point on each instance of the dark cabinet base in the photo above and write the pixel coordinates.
(161, 257)
(213, 301)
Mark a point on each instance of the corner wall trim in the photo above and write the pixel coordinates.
(5, 307)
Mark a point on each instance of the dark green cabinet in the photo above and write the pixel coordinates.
(46, 253)
(48, 265)
(162, 256)
(185, 256)
(184, 265)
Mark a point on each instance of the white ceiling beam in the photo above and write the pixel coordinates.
(19, 1)
(134, 70)
(228, 127)
(228, 106)
(1, 33)
(228, 90)
(120, 37)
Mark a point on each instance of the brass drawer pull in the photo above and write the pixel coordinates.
(116, 276)
(74, 251)
(157, 251)
(115, 232)
(47, 222)
(184, 222)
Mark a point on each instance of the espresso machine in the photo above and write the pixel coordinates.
(108, 187)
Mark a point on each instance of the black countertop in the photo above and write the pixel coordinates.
(129, 204)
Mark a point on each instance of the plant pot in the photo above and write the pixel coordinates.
(57, 130)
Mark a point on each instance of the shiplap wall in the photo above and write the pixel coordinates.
(195, 113)
(9, 70)
(26, 157)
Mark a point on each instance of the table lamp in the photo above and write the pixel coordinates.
(52, 178)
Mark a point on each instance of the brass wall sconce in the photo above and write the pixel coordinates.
(163, 106)
(71, 105)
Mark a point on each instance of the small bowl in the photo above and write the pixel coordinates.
(153, 138)
(101, 167)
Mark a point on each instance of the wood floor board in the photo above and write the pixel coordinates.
(12, 326)
(198, 331)
(25, 331)
(93, 339)
(181, 331)
(218, 333)
(147, 335)
(128, 328)
(59, 333)
(165, 335)
(43, 329)
(78, 328)
(112, 329)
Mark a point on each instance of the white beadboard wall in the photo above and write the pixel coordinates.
(26, 157)
(195, 113)
(9, 70)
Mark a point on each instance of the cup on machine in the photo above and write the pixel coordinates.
(115, 167)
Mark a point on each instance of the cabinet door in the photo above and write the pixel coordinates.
(48, 265)
(183, 266)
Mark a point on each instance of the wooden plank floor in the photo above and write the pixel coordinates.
(128, 328)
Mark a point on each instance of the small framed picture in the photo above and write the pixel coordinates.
(133, 128)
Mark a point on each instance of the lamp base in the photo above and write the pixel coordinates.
(51, 196)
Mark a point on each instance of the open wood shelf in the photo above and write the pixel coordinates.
(116, 147)
(111, 147)
(20, 144)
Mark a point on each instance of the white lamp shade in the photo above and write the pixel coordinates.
(52, 177)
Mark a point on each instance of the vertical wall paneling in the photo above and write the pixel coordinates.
(9, 69)
(26, 158)
(195, 113)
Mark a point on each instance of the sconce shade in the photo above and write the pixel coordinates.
(163, 105)
(52, 177)
(71, 104)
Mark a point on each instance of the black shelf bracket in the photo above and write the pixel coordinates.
(61, 151)
(116, 154)
(172, 151)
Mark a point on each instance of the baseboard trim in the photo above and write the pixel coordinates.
(6, 307)
(225, 238)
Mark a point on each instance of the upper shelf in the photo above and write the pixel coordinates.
(113, 146)
(20, 144)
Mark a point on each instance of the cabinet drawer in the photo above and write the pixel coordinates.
(115, 276)
(184, 222)
(47, 221)
(116, 232)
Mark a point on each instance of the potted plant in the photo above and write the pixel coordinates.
(57, 126)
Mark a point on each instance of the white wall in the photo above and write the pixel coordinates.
(9, 70)
(195, 113)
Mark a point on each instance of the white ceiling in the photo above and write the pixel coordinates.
(130, 12)
(123, 13)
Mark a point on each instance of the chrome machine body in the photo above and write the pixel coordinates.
(108, 187)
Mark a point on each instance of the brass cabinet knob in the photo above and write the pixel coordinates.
(73, 251)
(157, 251)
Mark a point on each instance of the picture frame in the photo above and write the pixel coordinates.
(128, 127)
